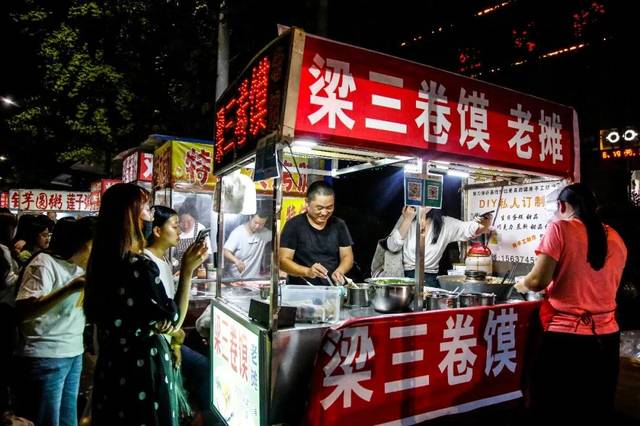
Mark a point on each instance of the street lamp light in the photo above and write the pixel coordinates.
(7, 101)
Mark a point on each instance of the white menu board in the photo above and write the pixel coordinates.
(521, 219)
(236, 371)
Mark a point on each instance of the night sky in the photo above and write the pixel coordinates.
(471, 38)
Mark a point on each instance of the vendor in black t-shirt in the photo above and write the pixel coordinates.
(316, 245)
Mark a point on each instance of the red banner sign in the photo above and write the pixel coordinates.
(355, 97)
(409, 368)
(138, 166)
(4, 200)
(145, 169)
(41, 200)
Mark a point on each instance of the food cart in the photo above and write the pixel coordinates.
(356, 110)
(183, 175)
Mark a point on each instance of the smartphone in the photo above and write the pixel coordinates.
(204, 233)
(486, 214)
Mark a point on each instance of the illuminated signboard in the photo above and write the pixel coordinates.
(251, 107)
(4, 200)
(236, 371)
(615, 139)
(620, 153)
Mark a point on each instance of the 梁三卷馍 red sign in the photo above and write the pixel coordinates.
(350, 96)
(410, 368)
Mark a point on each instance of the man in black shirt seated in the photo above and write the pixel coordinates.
(316, 245)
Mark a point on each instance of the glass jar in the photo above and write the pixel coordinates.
(201, 272)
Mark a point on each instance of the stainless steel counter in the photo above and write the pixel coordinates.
(289, 354)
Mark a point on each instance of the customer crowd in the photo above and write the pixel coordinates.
(100, 289)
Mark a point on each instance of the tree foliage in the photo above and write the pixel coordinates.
(112, 72)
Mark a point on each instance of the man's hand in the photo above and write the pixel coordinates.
(240, 265)
(316, 271)
(338, 277)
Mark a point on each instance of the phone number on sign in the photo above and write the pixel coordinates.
(521, 259)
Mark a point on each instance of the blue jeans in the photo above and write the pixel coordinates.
(47, 392)
(197, 375)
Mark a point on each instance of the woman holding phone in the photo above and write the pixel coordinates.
(134, 382)
(165, 234)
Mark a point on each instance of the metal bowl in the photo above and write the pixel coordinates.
(392, 298)
(359, 297)
(391, 280)
(437, 301)
(450, 282)
(467, 300)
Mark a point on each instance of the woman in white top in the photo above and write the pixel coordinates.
(49, 304)
(436, 233)
(165, 234)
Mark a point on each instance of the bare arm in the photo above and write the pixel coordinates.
(192, 259)
(34, 307)
(229, 256)
(540, 276)
(234, 260)
(408, 213)
(289, 266)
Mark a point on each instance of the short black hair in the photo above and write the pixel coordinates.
(161, 215)
(319, 188)
(262, 213)
(70, 235)
(189, 206)
(30, 226)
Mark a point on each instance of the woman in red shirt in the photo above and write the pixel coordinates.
(580, 263)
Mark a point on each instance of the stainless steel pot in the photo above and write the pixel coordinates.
(391, 280)
(437, 301)
(467, 300)
(359, 297)
(487, 299)
(451, 282)
(392, 297)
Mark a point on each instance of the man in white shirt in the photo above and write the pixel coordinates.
(245, 247)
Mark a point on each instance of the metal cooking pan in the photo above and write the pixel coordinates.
(450, 282)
